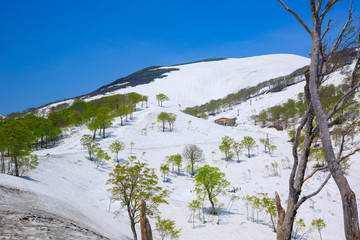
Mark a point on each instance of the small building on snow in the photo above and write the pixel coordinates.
(226, 121)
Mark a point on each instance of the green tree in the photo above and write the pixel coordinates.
(28, 162)
(237, 148)
(132, 182)
(17, 140)
(194, 155)
(163, 117)
(164, 169)
(319, 224)
(166, 228)
(89, 144)
(104, 119)
(177, 160)
(248, 143)
(171, 120)
(266, 142)
(210, 182)
(93, 126)
(122, 112)
(116, 147)
(100, 156)
(225, 147)
(262, 117)
(161, 98)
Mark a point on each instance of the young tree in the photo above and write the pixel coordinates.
(210, 182)
(161, 98)
(272, 148)
(132, 182)
(225, 147)
(171, 120)
(266, 142)
(90, 144)
(194, 206)
(237, 148)
(194, 155)
(100, 156)
(166, 228)
(319, 224)
(321, 55)
(164, 169)
(163, 117)
(248, 143)
(116, 147)
(177, 160)
(28, 162)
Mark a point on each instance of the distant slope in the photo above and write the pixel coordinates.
(197, 83)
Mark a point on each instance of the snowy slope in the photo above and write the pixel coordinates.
(70, 186)
(200, 82)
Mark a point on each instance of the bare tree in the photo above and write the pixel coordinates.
(324, 59)
(194, 155)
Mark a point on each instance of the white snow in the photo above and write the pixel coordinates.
(70, 185)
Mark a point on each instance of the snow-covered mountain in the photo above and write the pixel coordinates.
(199, 82)
(67, 185)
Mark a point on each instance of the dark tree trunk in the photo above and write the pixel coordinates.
(16, 167)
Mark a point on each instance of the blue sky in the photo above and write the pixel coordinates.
(51, 50)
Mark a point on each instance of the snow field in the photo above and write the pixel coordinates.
(69, 185)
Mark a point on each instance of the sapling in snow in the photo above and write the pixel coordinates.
(319, 225)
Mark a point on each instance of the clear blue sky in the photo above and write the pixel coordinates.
(51, 50)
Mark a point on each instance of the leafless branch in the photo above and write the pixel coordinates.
(295, 15)
(341, 34)
(315, 171)
(304, 198)
(328, 7)
(327, 29)
(350, 154)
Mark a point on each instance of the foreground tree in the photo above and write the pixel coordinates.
(210, 182)
(321, 55)
(194, 155)
(132, 182)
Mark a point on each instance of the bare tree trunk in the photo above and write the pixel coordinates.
(146, 233)
(351, 219)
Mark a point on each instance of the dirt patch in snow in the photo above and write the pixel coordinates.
(20, 218)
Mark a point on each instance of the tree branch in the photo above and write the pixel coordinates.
(337, 41)
(295, 15)
(327, 29)
(304, 198)
(328, 7)
(350, 154)
(315, 171)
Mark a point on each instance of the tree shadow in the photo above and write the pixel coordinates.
(30, 179)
